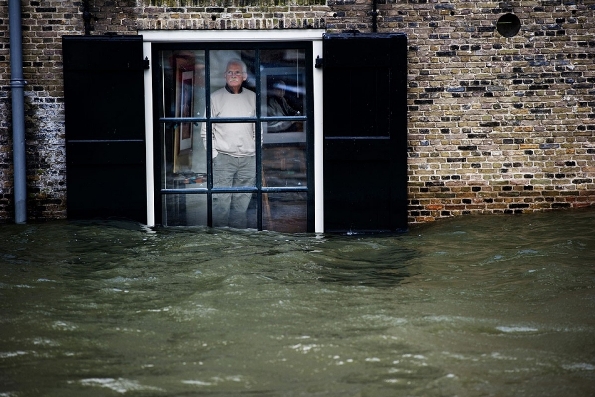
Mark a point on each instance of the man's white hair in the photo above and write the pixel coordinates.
(237, 61)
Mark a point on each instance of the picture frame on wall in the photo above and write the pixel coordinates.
(183, 131)
(185, 108)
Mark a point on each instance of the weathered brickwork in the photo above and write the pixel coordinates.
(255, 15)
(496, 124)
(43, 23)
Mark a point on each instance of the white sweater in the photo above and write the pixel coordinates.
(234, 139)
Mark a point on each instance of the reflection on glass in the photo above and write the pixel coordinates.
(231, 98)
(285, 212)
(284, 166)
(283, 99)
(233, 143)
(166, 135)
(180, 164)
(237, 210)
(278, 106)
(283, 96)
(183, 76)
(186, 132)
(229, 209)
(185, 209)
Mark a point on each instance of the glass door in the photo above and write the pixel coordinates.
(234, 134)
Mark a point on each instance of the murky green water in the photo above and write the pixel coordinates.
(475, 306)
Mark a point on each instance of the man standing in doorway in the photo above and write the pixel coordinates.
(233, 146)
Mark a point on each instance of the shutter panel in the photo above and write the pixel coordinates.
(365, 132)
(105, 130)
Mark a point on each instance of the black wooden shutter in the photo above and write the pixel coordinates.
(365, 132)
(105, 127)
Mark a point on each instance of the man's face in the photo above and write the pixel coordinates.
(234, 76)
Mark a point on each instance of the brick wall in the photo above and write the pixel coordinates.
(6, 211)
(43, 23)
(500, 125)
(496, 124)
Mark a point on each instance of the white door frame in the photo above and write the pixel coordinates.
(181, 36)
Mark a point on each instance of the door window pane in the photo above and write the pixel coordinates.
(233, 131)
(283, 100)
(282, 83)
(183, 82)
(284, 166)
(183, 97)
(285, 212)
(237, 210)
(180, 164)
(185, 209)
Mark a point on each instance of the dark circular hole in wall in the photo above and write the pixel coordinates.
(508, 25)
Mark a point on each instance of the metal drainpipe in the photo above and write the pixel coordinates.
(17, 84)
(375, 16)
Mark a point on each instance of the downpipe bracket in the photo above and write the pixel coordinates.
(17, 83)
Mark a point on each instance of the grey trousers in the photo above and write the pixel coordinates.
(229, 209)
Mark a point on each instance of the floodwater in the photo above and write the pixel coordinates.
(473, 306)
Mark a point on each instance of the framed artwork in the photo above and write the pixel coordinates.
(184, 108)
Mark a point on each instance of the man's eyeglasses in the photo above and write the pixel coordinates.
(234, 73)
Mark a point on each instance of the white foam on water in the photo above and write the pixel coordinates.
(63, 325)
(448, 319)
(389, 320)
(213, 381)
(12, 354)
(45, 342)
(119, 385)
(580, 367)
(528, 251)
(196, 383)
(499, 356)
(304, 348)
(516, 329)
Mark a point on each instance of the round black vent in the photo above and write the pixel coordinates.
(508, 25)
